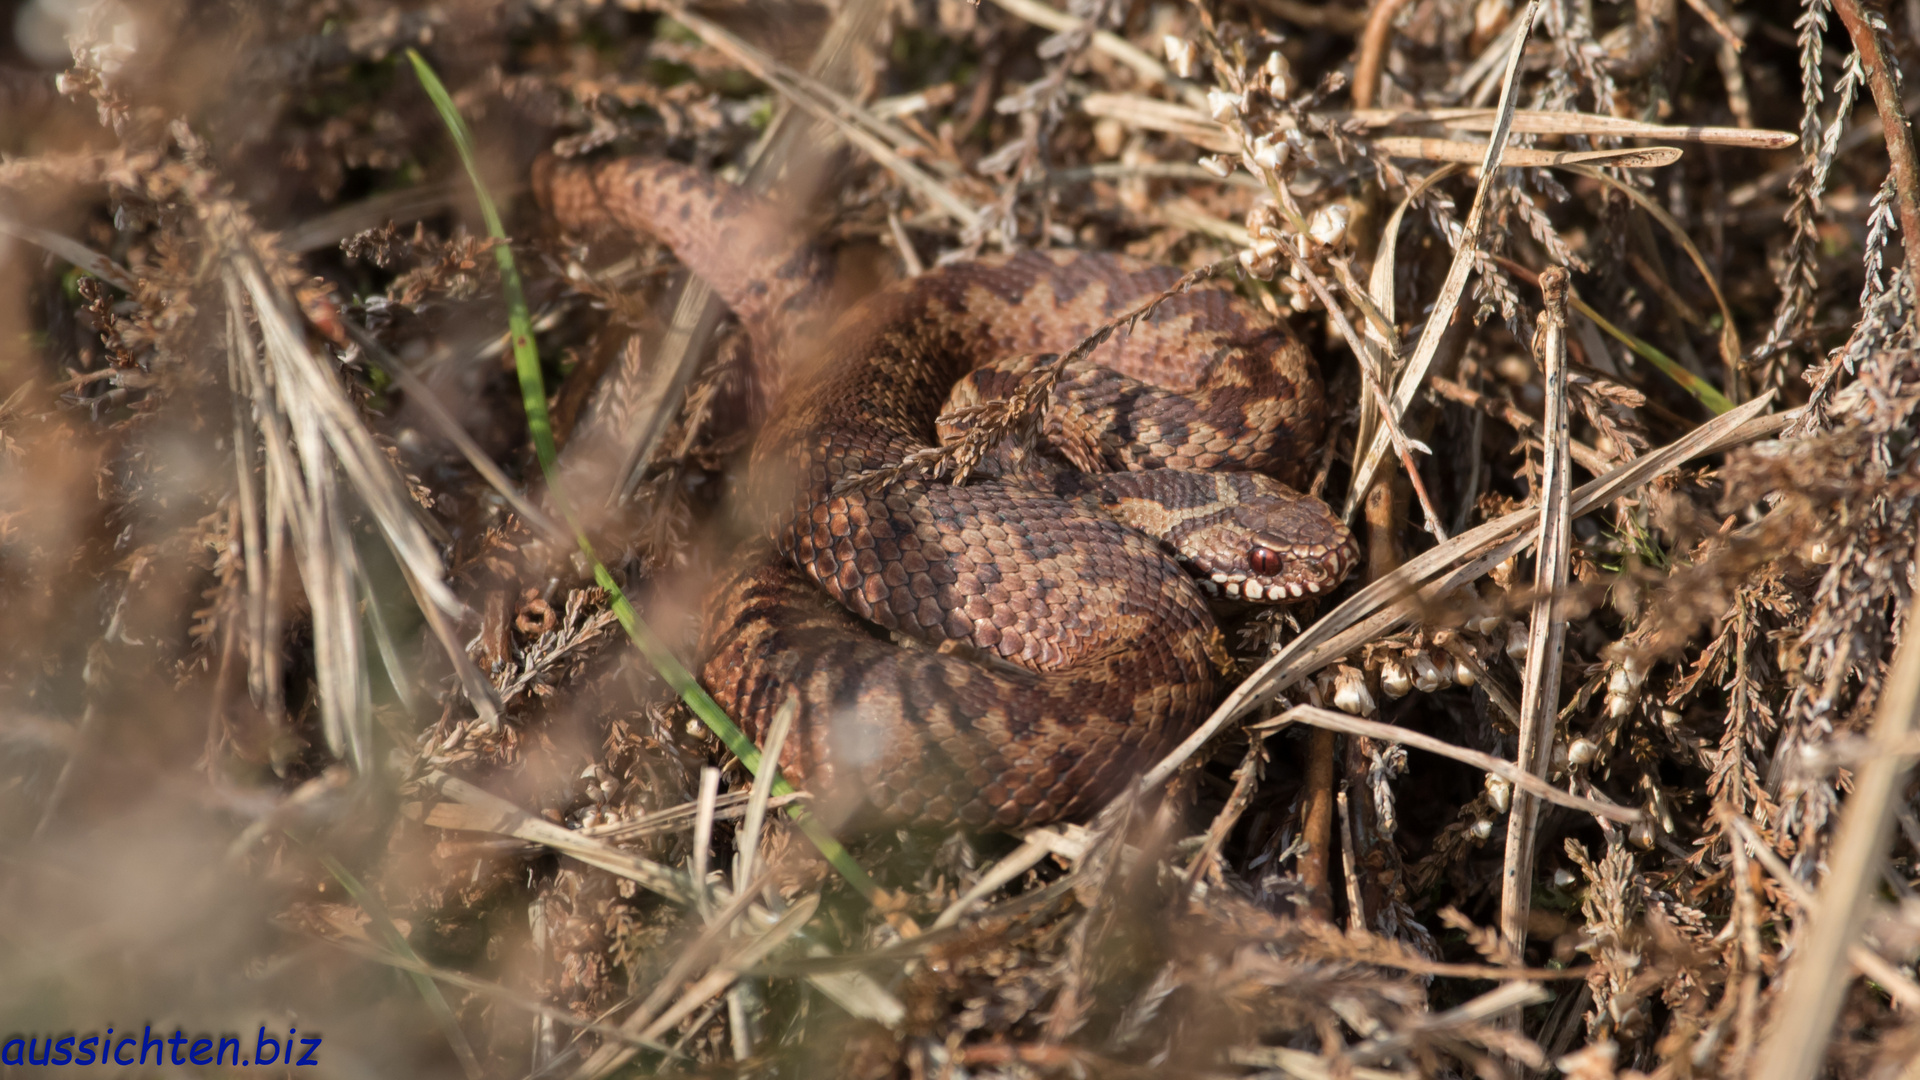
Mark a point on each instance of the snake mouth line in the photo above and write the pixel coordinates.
(1241, 589)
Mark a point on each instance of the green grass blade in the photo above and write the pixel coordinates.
(1688, 381)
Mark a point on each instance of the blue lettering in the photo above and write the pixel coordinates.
(265, 1051)
(63, 1051)
(45, 1052)
(159, 1046)
(201, 1052)
(122, 1045)
(86, 1056)
(14, 1053)
(306, 1057)
(220, 1053)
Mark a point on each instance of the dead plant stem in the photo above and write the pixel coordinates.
(1546, 639)
(1818, 975)
(1903, 162)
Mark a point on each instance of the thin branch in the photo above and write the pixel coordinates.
(1546, 638)
(1329, 720)
(1817, 976)
(1886, 99)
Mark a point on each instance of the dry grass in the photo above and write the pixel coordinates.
(311, 719)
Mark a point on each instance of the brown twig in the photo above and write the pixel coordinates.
(1373, 51)
(1316, 824)
(1329, 720)
(1903, 162)
(1510, 414)
(1540, 697)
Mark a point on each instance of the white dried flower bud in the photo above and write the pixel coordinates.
(1819, 553)
(1517, 643)
(1182, 57)
(1261, 260)
(1481, 829)
(1394, 678)
(1562, 878)
(1464, 673)
(1316, 692)
(1328, 226)
(1350, 692)
(1218, 165)
(1641, 834)
(1499, 792)
(1224, 106)
(1581, 752)
(1426, 677)
(1486, 625)
(1269, 154)
(1670, 717)
(1299, 297)
(1619, 706)
(1279, 76)
(1559, 757)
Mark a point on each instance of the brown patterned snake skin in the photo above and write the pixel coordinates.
(1042, 652)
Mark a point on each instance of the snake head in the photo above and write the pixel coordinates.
(1262, 541)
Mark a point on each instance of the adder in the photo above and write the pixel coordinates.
(1012, 650)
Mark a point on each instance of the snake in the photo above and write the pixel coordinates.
(1013, 650)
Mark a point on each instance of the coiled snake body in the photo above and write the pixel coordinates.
(1041, 651)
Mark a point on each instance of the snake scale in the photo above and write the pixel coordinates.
(1005, 652)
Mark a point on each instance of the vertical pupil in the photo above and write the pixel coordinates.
(1265, 560)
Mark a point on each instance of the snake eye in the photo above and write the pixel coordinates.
(1264, 561)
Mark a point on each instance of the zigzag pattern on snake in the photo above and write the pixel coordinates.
(1006, 652)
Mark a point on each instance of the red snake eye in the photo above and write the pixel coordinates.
(1264, 560)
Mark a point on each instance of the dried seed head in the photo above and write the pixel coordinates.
(1329, 224)
(1481, 829)
(1264, 219)
(1279, 76)
(1619, 706)
(1218, 165)
(1394, 678)
(1268, 154)
(1641, 834)
(1517, 643)
(1426, 676)
(1262, 260)
(1350, 692)
(1299, 297)
(1464, 673)
(1581, 752)
(1224, 106)
(1499, 792)
(1182, 57)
